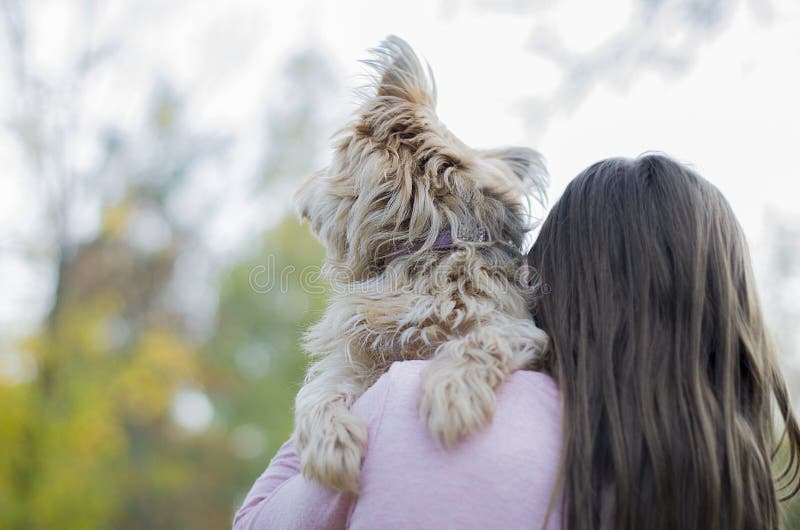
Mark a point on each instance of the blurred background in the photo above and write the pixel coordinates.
(150, 260)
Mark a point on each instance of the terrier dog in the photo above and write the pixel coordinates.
(424, 240)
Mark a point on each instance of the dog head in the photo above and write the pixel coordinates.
(399, 176)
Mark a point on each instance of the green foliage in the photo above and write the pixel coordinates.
(89, 442)
(255, 354)
(91, 436)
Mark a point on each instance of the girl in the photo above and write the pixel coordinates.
(658, 345)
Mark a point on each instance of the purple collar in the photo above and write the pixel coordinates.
(444, 241)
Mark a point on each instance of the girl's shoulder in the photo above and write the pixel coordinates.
(527, 402)
(501, 476)
(406, 375)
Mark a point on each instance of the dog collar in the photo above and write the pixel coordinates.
(444, 241)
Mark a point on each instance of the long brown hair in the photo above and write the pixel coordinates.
(659, 347)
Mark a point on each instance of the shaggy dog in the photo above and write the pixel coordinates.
(423, 237)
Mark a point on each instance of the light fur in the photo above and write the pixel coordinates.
(398, 176)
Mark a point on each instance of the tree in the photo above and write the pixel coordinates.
(95, 436)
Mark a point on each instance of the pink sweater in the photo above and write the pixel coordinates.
(499, 478)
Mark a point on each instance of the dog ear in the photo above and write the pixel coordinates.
(399, 73)
(527, 165)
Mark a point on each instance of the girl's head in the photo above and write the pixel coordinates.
(657, 341)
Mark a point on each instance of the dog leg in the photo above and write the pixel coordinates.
(330, 440)
(458, 388)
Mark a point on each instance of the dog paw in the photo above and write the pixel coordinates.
(332, 454)
(456, 401)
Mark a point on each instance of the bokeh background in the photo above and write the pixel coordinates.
(148, 152)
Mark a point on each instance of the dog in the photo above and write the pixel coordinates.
(423, 239)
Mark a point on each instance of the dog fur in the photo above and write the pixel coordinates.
(399, 177)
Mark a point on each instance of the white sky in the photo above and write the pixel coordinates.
(732, 113)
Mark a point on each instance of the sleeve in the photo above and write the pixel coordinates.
(281, 498)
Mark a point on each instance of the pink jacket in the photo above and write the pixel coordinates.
(499, 478)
